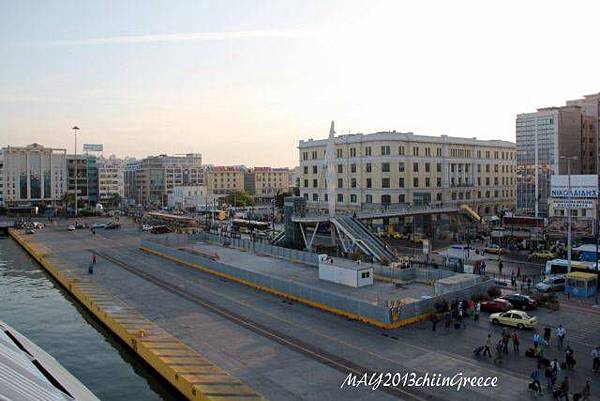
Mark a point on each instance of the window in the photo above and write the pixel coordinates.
(369, 183)
(416, 182)
(314, 169)
(487, 168)
(352, 198)
(453, 195)
(401, 198)
(487, 180)
(340, 168)
(386, 199)
(368, 198)
(438, 152)
(401, 150)
(401, 167)
(385, 151)
(340, 197)
(352, 152)
(439, 167)
(340, 182)
(315, 197)
(427, 182)
(339, 153)
(416, 167)
(385, 167)
(353, 182)
(401, 182)
(438, 197)
(365, 274)
(367, 151)
(304, 155)
(427, 167)
(439, 182)
(415, 151)
(305, 183)
(368, 167)
(305, 196)
(305, 169)
(353, 168)
(314, 154)
(495, 168)
(315, 183)
(385, 182)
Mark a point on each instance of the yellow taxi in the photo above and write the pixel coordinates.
(515, 318)
(545, 255)
(496, 249)
(417, 238)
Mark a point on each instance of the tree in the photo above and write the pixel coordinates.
(239, 199)
(69, 199)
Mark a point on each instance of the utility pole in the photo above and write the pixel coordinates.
(75, 129)
(569, 208)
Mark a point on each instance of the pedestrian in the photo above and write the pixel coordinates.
(563, 390)
(448, 320)
(536, 339)
(516, 340)
(547, 335)
(528, 284)
(518, 271)
(535, 381)
(498, 358)
(94, 259)
(488, 345)
(513, 280)
(505, 339)
(500, 266)
(569, 357)
(477, 311)
(587, 391)
(551, 375)
(434, 321)
(460, 320)
(560, 334)
(596, 359)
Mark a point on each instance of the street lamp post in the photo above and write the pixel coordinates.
(569, 210)
(75, 129)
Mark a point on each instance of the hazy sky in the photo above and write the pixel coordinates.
(242, 81)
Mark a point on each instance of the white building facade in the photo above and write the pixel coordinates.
(33, 175)
(191, 196)
(111, 179)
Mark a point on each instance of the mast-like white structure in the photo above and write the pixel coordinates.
(331, 173)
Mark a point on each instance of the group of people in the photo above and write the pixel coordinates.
(456, 313)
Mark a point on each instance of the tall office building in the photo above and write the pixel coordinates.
(32, 175)
(110, 178)
(544, 138)
(403, 168)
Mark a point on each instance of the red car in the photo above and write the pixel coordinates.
(496, 305)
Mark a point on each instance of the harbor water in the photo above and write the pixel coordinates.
(35, 305)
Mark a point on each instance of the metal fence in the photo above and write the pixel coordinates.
(381, 312)
(411, 273)
(293, 255)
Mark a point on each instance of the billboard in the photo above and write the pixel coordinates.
(582, 186)
(572, 204)
(92, 147)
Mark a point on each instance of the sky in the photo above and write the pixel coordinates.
(243, 81)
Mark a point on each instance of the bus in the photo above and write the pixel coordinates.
(250, 225)
(561, 266)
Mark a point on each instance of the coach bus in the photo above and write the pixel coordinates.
(561, 266)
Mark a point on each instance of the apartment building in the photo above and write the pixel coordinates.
(149, 181)
(32, 175)
(387, 168)
(544, 139)
(267, 182)
(110, 178)
(223, 180)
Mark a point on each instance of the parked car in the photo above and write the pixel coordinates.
(544, 255)
(99, 225)
(496, 305)
(515, 318)
(160, 230)
(495, 248)
(521, 301)
(146, 227)
(30, 231)
(71, 227)
(552, 283)
(79, 225)
(399, 236)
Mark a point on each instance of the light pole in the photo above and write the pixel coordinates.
(569, 207)
(75, 129)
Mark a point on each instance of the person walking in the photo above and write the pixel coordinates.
(488, 345)
(434, 321)
(596, 359)
(587, 390)
(94, 259)
(505, 340)
(547, 335)
(560, 334)
(563, 390)
(448, 321)
(500, 266)
(569, 357)
(535, 381)
(477, 311)
(498, 358)
(461, 319)
(516, 340)
(537, 339)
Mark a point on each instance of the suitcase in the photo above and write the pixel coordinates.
(530, 353)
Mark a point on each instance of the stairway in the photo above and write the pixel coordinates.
(365, 240)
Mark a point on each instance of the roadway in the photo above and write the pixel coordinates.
(283, 372)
